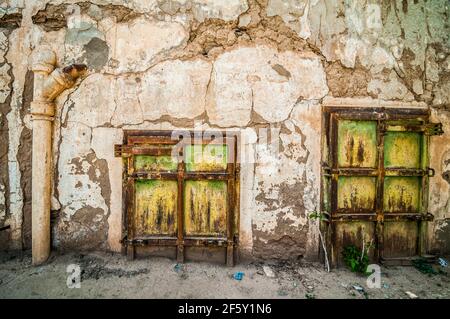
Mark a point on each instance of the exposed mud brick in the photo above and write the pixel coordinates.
(24, 156)
(11, 21)
(54, 17)
(347, 82)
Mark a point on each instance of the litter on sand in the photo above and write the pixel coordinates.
(178, 267)
(358, 288)
(269, 272)
(238, 275)
(443, 262)
(411, 295)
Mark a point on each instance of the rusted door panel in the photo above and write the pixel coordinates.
(400, 239)
(326, 194)
(402, 150)
(401, 194)
(155, 208)
(154, 163)
(356, 194)
(353, 233)
(375, 179)
(357, 143)
(205, 202)
(180, 191)
(205, 207)
(206, 158)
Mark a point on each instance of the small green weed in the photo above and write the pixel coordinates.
(423, 266)
(355, 259)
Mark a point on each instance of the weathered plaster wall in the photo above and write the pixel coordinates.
(440, 186)
(244, 65)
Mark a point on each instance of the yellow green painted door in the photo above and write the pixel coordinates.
(206, 201)
(180, 192)
(375, 183)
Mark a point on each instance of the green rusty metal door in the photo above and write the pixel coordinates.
(180, 190)
(375, 181)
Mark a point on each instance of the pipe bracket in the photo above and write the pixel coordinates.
(42, 108)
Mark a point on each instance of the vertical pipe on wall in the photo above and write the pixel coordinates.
(48, 84)
(41, 190)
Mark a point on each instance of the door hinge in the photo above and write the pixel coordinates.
(118, 150)
(432, 129)
(428, 217)
(121, 150)
(326, 170)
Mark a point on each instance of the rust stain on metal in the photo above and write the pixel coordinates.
(399, 239)
(205, 208)
(155, 163)
(206, 157)
(356, 193)
(352, 233)
(156, 207)
(356, 143)
(401, 194)
(402, 149)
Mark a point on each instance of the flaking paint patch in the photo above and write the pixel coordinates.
(156, 208)
(77, 166)
(443, 236)
(205, 206)
(287, 189)
(244, 79)
(132, 53)
(439, 201)
(24, 155)
(16, 57)
(102, 142)
(281, 214)
(96, 54)
(86, 230)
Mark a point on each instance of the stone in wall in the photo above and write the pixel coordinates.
(93, 103)
(131, 52)
(173, 88)
(53, 15)
(3, 46)
(262, 80)
(389, 89)
(223, 9)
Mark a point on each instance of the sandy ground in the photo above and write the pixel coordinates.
(105, 275)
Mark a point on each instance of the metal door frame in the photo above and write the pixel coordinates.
(331, 171)
(132, 145)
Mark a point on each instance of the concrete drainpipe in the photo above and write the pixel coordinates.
(48, 84)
